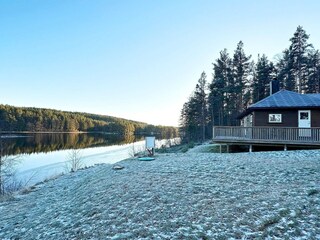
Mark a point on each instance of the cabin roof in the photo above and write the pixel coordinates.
(285, 99)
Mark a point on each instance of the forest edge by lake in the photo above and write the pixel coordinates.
(29, 119)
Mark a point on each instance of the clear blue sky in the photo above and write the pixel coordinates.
(136, 59)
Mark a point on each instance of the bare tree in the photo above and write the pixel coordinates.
(74, 160)
(8, 181)
(134, 150)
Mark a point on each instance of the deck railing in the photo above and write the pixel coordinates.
(286, 135)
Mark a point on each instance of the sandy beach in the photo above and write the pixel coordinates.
(192, 195)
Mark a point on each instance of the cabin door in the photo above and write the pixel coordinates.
(304, 122)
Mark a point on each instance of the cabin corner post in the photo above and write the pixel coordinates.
(250, 148)
(213, 133)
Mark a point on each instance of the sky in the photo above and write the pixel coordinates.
(135, 59)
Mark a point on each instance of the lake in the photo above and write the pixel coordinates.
(36, 157)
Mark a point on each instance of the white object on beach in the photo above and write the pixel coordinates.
(150, 142)
(150, 145)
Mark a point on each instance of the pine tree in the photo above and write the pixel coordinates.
(193, 118)
(264, 73)
(285, 74)
(298, 53)
(188, 121)
(221, 97)
(314, 71)
(201, 100)
(241, 72)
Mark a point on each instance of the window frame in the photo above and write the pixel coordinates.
(275, 118)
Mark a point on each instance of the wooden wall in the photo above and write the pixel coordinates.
(315, 118)
(289, 118)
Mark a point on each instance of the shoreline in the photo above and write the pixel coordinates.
(178, 195)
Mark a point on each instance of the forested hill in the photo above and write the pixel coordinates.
(49, 120)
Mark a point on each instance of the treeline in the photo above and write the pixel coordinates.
(24, 119)
(239, 81)
(35, 142)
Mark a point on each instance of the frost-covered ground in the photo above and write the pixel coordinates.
(193, 195)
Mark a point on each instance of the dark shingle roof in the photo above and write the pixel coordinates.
(285, 99)
(288, 99)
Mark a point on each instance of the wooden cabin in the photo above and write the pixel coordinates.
(283, 118)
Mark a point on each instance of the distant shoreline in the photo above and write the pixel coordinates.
(48, 132)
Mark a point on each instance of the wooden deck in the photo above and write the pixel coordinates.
(267, 135)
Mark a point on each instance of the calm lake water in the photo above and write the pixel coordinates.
(36, 157)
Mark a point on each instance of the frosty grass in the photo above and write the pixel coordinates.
(266, 195)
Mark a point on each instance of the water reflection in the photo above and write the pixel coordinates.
(39, 166)
(48, 142)
(42, 156)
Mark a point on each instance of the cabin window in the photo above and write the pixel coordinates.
(304, 115)
(275, 118)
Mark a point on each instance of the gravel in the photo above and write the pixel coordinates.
(193, 195)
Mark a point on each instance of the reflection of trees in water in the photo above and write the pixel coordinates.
(129, 139)
(47, 142)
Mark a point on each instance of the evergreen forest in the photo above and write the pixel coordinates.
(24, 119)
(238, 81)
